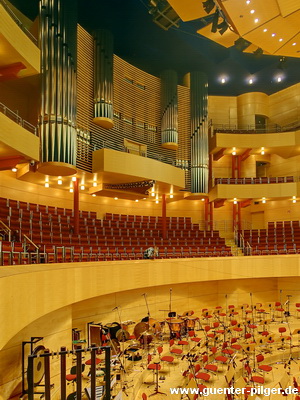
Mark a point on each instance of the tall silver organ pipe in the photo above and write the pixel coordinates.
(103, 78)
(197, 82)
(169, 107)
(58, 86)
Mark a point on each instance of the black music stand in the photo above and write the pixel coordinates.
(156, 391)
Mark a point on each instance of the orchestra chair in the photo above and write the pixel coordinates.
(168, 359)
(263, 367)
(222, 359)
(193, 337)
(203, 376)
(71, 377)
(144, 396)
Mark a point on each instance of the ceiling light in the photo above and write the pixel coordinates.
(256, 20)
(279, 79)
(152, 194)
(233, 151)
(248, 2)
(203, 199)
(14, 169)
(273, 34)
(82, 187)
(46, 184)
(263, 200)
(235, 201)
(294, 44)
(116, 198)
(250, 81)
(94, 184)
(136, 201)
(59, 180)
(171, 196)
(93, 195)
(156, 201)
(74, 178)
(223, 80)
(294, 201)
(280, 40)
(144, 198)
(265, 30)
(262, 152)
(252, 11)
(294, 197)
(71, 190)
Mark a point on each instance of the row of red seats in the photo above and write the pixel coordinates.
(16, 204)
(145, 218)
(17, 253)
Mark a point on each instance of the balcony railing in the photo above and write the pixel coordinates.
(16, 118)
(18, 22)
(252, 129)
(255, 181)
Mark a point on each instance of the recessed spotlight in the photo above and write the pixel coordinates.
(171, 196)
(256, 20)
(265, 30)
(294, 201)
(248, 2)
(71, 190)
(263, 200)
(74, 178)
(93, 195)
(59, 181)
(153, 194)
(252, 11)
(235, 201)
(280, 40)
(156, 201)
(203, 199)
(262, 151)
(279, 79)
(46, 184)
(82, 187)
(94, 184)
(294, 44)
(116, 198)
(223, 80)
(273, 34)
(14, 169)
(233, 151)
(136, 201)
(250, 81)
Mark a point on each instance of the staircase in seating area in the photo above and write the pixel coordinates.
(229, 241)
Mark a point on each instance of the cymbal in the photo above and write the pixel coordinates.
(140, 329)
(122, 335)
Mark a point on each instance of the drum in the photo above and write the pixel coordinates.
(190, 323)
(112, 329)
(38, 364)
(115, 347)
(145, 339)
(122, 335)
(154, 326)
(140, 328)
(175, 325)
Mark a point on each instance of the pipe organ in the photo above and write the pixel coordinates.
(58, 91)
(197, 82)
(103, 78)
(169, 107)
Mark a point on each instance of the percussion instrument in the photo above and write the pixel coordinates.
(112, 329)
(122, 335)
(38, 364)
(140, 328)
(190, 322)
(145, 339)
(175, 325)
(154, 326)
(115, 347)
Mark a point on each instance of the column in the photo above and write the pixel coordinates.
(164, 216)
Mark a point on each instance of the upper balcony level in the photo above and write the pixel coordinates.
(20, 55)
(275, 139)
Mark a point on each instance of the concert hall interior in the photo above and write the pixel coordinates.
(149, 199)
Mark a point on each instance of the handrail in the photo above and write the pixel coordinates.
(27, 239)
(252, 129)
(6, 229)
(248, 249)
(16, 118)
(256, 181)
(18, 22)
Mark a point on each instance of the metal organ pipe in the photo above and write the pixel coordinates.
(169, 107)
(103, 78)
(58, 102)
(197, 82)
